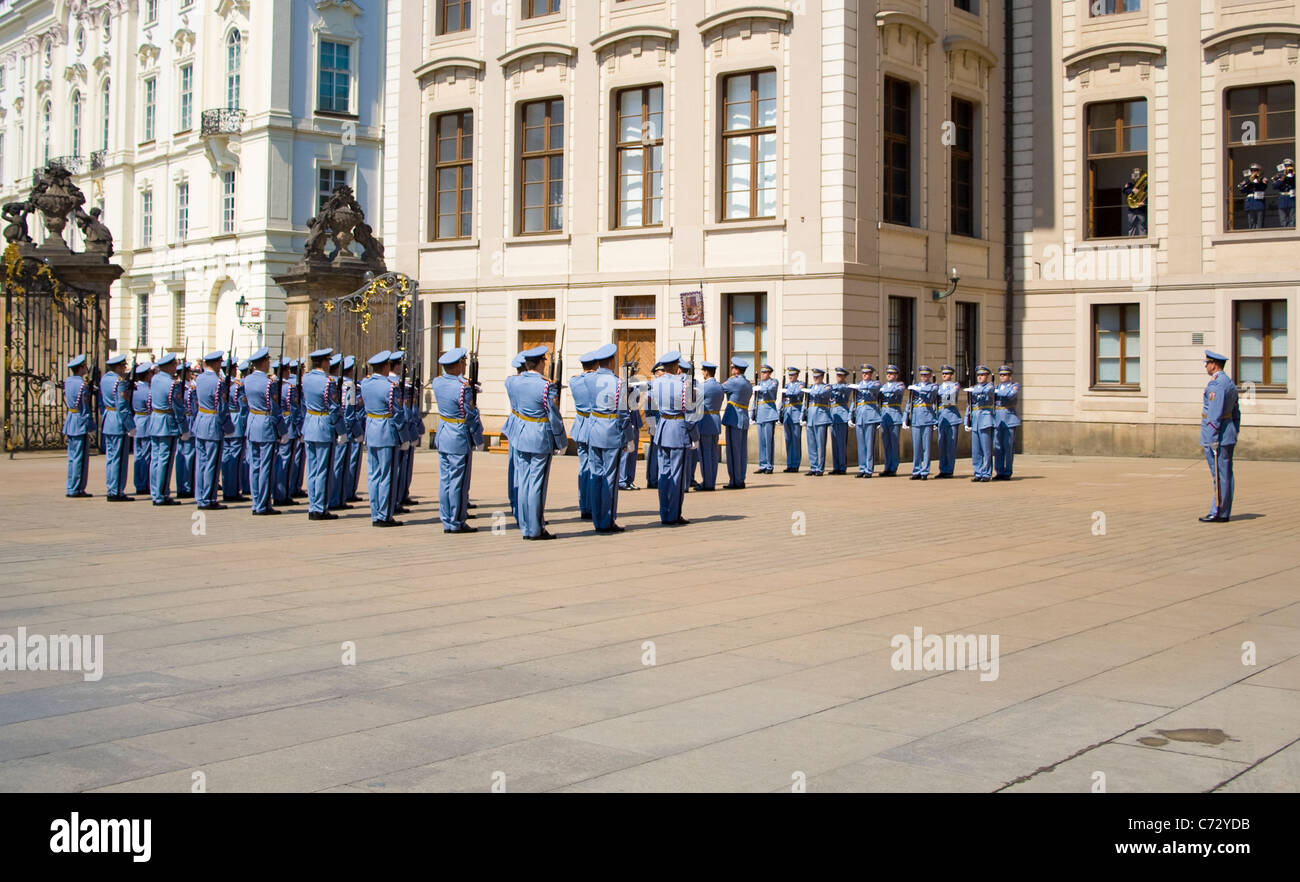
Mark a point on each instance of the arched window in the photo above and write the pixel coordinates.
(76, 122)
(46, 111)
(104, 100)
(233, 61)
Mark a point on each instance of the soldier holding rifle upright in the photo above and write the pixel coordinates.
(116, 392)
(77, 394)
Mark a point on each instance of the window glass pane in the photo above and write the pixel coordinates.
(1108, 370)
(767, 148)
(556, 195)
(1131, 319)
(1108, 318)
(767, 112)
(1250, 314)
(767, 175)
(534, 139)
(630, 214)
(1108, 345)
(1132, 345)
(738, 116)
(742, 338)
(447, 179)
(1250, 344)
(1133, 370)
(533, 194)
(656, 211)
(1280, 96)
(534, 169)
(557, 168)
(742, 309)
(737, 150)
(557, 218)
(738, 176)
(533, 220)
(767, 85)
(534, 114)
(446, 226)
(629, 129)
(447, 150)
(738, 89)
(632, 162)
(656, 99)
(1251, 370)
(737, 204)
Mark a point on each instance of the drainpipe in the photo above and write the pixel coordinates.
(1008, 223)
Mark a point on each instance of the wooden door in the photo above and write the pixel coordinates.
(636, 344)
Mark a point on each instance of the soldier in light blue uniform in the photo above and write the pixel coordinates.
(866, 419)
(414, 432)
(167, 422)
(949, 417)
(709, 426)
(652, 425)
(234, 450)
(606, 437)
(338, 477)
(265, 429)
(298, 475)
(979, 422)
(287, 396)
(792, 407)
(922, 402)
(210, 426)
(508, 432)
(1220, 426)
(840, 417)
(119, 425)
(246, 472)
(674, 435)
(457, 415)
(891, 418)
(384, 417)
(322, 422)
(77, 395)
(186, 449)
(735, 421)
(631, 437)
(357, 431)
(538, 435)
(765, 413)
(581, 395)
(403, 448)
(817, 416)
(1006, 417)
(140, 404)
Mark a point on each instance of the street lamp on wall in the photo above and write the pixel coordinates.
(241, 307)
(953, 279)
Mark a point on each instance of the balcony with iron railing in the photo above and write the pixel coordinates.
(222, 121)
(73, 164)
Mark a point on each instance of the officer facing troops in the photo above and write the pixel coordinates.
(210, 426)
(606, 433)
(581, 395)
(1220, 426)
(166, 425)
(457, 416)
(539, 435)
(765, 414)
(735, 420)
(792, 419)
(140, 404)
(119, 425)
(674, 435)
(1005, 420)
(891, 418)
(949, 418)
(817, 417)
(76, 426)
(922, 400)
(866, 419)
(840, 417)
(265, 428)
(709, 425)
(384, 417)
(979, 422)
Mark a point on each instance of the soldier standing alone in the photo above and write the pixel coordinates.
(1220, 425)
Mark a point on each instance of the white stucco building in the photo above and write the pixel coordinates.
(207, 130)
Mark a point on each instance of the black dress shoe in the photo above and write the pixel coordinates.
(540, 536)
(341, 505)
(681, 521)
(401, 509)
(388, 523)
(586, 516)
(914, 478)
(269, 511)
(321, 516)
(889, 474)
(973, 480)
(354, 499)
(470, 505)
(80, 495)
(925, 477)
(1215, 519)
(167, 500)
(120, 497)
(1002, 477)
(463, 528)
(840, 472)
(787, 470)
(943, 475)
(216, 506)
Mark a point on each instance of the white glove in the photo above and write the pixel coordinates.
(185, 436)
(803, 422)
(906, 426)
(630, 447)
(852, 424)
(130, 433)
(229, 435)
(481, 446)
(967, 428)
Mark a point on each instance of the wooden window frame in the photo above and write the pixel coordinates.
(966, 158)
(966, 357)
(906, 357)
(464, 162)
(522, 309)
(1269, 384)
(547, 153)
(891, 139)
(1121, 8)
(1262, 139)
(754, 134)
(552, 8)
(621, 299)
(647, 147)
(462, 7)
(1138, 158)
(1124, 385)
(457, 327)
(759, 324)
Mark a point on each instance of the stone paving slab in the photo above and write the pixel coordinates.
(739, 653)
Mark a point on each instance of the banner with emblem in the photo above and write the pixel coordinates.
(692, 308)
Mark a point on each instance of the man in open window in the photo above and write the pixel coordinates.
(1284, 183)
(1135, 204)
(1254, 186)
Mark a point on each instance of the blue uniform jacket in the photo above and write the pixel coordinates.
(765, 409)
(817, 405)
(792, 397)
(456, 414)
(711, 396)
(1008, 400)
(891, 400)
(264, 420)
(289, 407)
(840, 402)
(141, 404)
(582, 394)
(539, 427)
(673, 402)
(867, 410)
(979, 408)
(238, 407)
(212, 421)
(384, 414)
(607, 428)
(948, 393)
(735, 412)
(1220, 411)
(76, 395)
(921, 404)
(323, 422)
(119, 417)
(167, 400)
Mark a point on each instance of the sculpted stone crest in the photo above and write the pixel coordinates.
(343, 222)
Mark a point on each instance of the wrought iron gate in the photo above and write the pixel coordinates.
(385, 313)
(46, 323)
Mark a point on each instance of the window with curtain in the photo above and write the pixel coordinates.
(1117, 345)
(234, 61)
(1261, 343)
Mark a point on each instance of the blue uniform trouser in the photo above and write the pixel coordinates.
(793, 441)
(117, 455)
(464, 485)
(921, 440)
(512, 483)
(185, 458)
(408, 472)
(296, 463)
(318, 469)
(652, 465)
(379, 483)
(395, 470)
(1004, 448)
(737, 456)
(627, 464)
(947, 447)
(981, 452)
(817, 448)
(143, 449)
(584, 491)
(867, 447)
(233, 469)
(672, 482)
(602, 464)
(839, 446)
(708, 457)
(77, 464)
(207, 458)
(261, 465)
(246, 471)
(160, 466)
(889, 429)
(283, 469)
(339, 477)
(1220, 460)
(355, 446)
(530, 483)
(453, 476)
(766, 442)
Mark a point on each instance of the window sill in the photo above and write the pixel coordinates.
(1266, 391)
(150, 143)
(1116, 391)
(183, 132)
(1111, 241)
(449, 36)
(636, 233)
(902, 228)
(335, 114)
(450, 244)
(1233, 236)
(538, 238)
(219, 236)
(761, 223)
